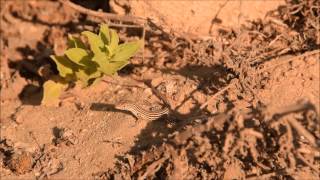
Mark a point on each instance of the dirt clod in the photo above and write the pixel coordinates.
(20, 163)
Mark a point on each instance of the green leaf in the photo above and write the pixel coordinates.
(93, 73)
(110, 68)
(79, 63)
(114, 41)
(108, 50)
(51, 91)
(125, 51)
(75, 42)
(85, 76)
(105, 66)
(100, 58)
(96, 80)
(96, 43)
(79, 56)
(104, 34)
(64, 65)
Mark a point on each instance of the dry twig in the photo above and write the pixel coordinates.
(302, 131)
(103, 15)
(215, 95)
(153, 168)
(294, 123)
(316, 169)
(311, 53)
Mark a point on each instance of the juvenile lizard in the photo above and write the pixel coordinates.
(140, 112)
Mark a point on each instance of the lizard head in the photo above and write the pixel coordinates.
(123, 105)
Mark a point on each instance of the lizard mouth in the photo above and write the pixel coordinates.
(120, 107)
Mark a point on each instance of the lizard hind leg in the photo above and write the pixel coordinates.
(136, 121)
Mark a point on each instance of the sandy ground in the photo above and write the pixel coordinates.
(244, 99)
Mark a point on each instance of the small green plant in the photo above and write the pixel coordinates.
(88, 65)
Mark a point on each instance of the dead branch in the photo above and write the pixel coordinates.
(299, 106)
(294, 123)
(316, 169)
(286, 171)
(198, 129)
(215, 95)
(288, 60)
(153, 168)
(302, 131)
(103, 15)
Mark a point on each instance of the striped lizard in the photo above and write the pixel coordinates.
(141, 113)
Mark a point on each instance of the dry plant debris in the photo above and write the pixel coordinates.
(255, 88)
